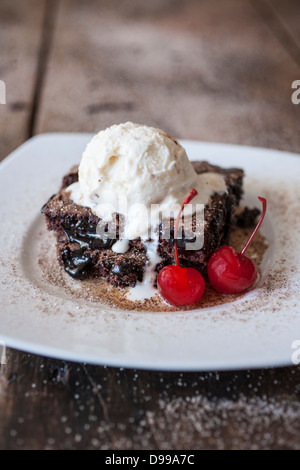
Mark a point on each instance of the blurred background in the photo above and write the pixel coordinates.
(199, 69)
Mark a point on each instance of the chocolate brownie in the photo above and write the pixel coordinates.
(83, 253)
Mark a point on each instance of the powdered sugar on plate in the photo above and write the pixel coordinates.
(40, 315)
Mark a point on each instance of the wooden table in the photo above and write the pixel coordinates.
(209, 70)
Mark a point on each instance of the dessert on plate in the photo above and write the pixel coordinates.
(114, 215)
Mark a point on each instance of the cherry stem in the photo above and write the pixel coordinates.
(186, 201)
(264, 203)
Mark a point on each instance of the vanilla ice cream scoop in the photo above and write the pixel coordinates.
(135, 166)
(139, 162)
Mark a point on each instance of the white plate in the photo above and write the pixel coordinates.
(256, 330)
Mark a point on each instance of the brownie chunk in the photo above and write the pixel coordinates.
(84, 254)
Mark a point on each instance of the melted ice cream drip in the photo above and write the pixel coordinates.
(145, 289)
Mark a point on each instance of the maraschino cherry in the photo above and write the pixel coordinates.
(230, 272)
(177, 285)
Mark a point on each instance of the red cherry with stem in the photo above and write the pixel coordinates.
(230, 272)
(177, 285)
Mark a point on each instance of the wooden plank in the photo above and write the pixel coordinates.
(202, 70)
(288, 12)
(51, 404)
(280, 18)
(20, 34)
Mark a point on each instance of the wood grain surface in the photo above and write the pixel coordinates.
(209, 70)
(21, 25)
(197, 69)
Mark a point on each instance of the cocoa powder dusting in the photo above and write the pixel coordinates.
(98, 290)
(280, 280)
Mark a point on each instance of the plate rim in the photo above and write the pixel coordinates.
(49, 351)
